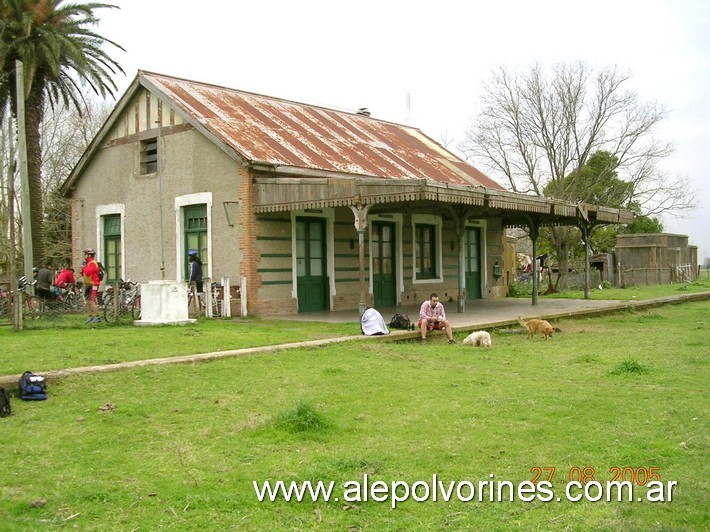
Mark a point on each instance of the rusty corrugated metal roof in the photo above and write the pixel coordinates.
(272, 131)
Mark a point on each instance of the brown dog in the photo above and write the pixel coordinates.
(535, 325)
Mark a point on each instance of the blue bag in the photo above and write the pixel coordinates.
(32, 387)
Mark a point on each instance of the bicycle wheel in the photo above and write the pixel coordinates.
(136, 308)
(80, 303)
(66, 302)
(76, 303)
(109, 314)
(32, 306)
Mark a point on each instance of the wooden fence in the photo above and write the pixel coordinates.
(682, 273)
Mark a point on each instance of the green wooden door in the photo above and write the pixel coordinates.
(473, 263)
(311, 265)
(384, 284)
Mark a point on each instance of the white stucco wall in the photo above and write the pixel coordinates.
(189, 167)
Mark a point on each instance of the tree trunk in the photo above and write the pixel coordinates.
(33, 121)
(562, 241)
(563, 262)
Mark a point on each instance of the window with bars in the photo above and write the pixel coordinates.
(149, 156)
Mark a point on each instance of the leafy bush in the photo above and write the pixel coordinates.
(519, 289)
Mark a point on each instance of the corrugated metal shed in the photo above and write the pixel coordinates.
(281, 133)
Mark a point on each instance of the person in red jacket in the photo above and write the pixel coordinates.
(65, 278)
(64, 281)
(90, 273)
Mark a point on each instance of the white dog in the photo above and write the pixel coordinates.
(478, 339)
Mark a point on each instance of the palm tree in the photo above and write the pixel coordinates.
(60, 55)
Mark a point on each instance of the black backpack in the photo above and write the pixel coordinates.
(400, 321)
(5, 409)
(102, 270)
(32, 387)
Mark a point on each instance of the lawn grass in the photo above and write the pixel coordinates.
(70, 343)
(179, 446)
(61, 342)
(630, 293)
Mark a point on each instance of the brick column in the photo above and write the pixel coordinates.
(247, 241)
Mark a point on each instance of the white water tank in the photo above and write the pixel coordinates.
(164, 303)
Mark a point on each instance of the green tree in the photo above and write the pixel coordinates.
(61, 54)
(643, 224)
(598, 183)
(57, 229)
(66, 133)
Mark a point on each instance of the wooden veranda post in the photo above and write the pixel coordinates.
(586, 231)
(459, 219)
(360, 213)
(462, 272)
(534, 233)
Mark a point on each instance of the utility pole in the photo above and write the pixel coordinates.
(24, 178)
(16, 314)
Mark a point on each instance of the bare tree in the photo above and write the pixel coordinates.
(539, 129)
(65, 134)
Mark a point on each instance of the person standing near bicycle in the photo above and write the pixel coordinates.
(90, 273)
(195, 273)
(44, 282)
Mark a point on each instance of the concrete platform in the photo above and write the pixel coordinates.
(480, 313)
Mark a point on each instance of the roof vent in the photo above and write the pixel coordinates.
(364, 111)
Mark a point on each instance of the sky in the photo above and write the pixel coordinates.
(422, 63)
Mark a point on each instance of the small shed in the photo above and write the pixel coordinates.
(658, 258)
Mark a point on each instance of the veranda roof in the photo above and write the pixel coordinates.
(278, 194)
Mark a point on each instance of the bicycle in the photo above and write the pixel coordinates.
(69, 298)
(129, 302)
(196, 305)
(32, 305)
(217, 300)
(64, 300)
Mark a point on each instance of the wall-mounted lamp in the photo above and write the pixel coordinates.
(497, 274)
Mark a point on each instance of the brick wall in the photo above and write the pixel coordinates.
(247, 244)
(272, 307)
